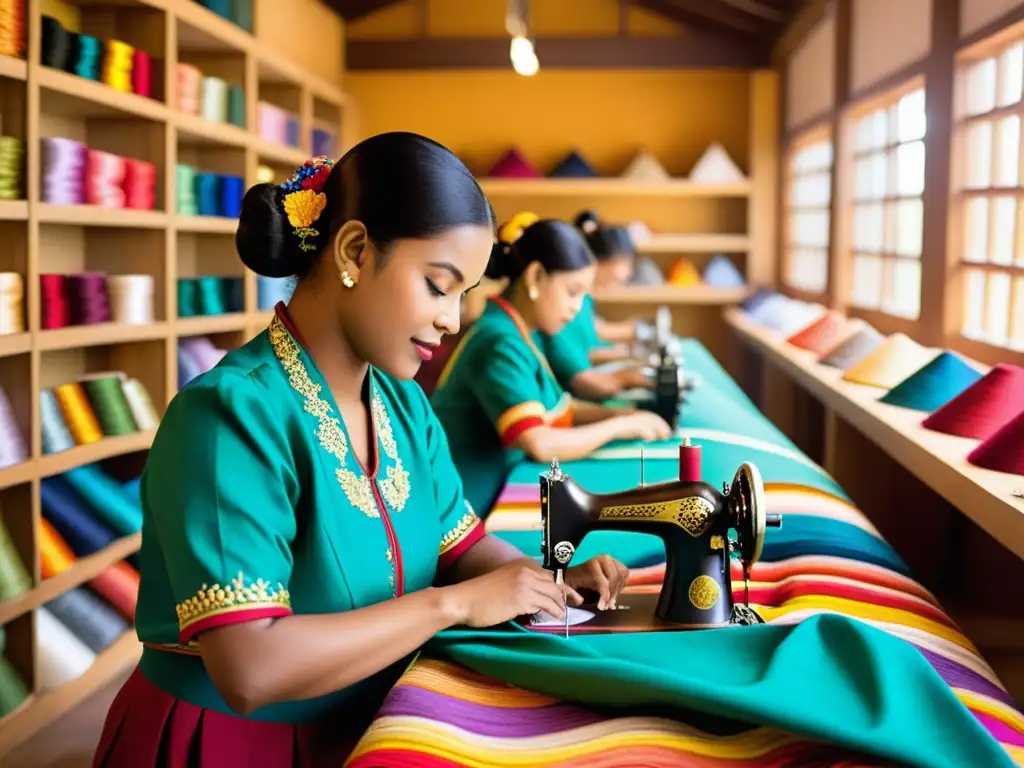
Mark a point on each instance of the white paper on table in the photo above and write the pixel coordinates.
(576, 616)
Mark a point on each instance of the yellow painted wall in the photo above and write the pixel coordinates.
(608, 114)
(486, 18)
(307, 32)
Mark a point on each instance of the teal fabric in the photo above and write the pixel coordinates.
(828, 678)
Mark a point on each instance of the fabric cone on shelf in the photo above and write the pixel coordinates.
(639, 233)
(1004, 450)
(848, 352)
(646, 168)
(721, 272)
(890, 363)
(683, 273)
(573, 166)
(795, 316)
(824, 333)
(755, 299)
(715, 167)
(980, 410)
(646, 272)
(933, 386)
(514, 165)
(765, 312)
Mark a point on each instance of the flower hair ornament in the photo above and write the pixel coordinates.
(304, 199)
(513, 229)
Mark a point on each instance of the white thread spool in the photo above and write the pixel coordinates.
(62, 656)
(214, 106)
(12, 296)
(131, 298)
(13, 448)
(142, 407)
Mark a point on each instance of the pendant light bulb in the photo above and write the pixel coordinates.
(520, 49)
(528, 66)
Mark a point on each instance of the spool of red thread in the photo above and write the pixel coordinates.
(55, 303)
(141, 73)
(689, 462)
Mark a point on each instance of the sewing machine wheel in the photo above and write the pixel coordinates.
(746, 497)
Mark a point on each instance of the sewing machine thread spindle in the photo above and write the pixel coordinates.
(642, 467)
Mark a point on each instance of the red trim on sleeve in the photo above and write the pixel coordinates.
(447, 560)
(523, 425)
(232, 617)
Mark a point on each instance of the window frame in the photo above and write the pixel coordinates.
(818, 132)
(963, 194)
(852, 115)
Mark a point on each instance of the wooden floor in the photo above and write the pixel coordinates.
(70, 744)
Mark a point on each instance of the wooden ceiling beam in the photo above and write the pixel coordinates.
(723, 16)
(350, 10)
(687, 51)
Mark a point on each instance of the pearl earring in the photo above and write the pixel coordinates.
(346, 279)
(533, 294)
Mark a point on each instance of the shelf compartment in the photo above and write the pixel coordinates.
(20, 651)
(200, 30)
(14, 258)
(65, 250)
(16, 513)
(76, 336)
(146, 361)
(75, 96)
(84, 570)
(228, 67)
(213, 159)
(202, 254)
(16, 382)
(49, 707)
(140, 24)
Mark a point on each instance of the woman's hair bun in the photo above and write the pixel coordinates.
(587, 222)
(265, 241)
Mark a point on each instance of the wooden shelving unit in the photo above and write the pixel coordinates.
(40, 237)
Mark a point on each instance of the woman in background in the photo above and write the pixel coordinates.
(498, 399)
(589, 340)
(300, 503)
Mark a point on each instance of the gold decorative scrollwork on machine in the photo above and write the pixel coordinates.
(691, 513)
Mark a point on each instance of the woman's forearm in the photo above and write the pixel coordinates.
(488, 554)
(305, 656)
(601, 355)
(592, 413)
(542, 444)
(615, 332)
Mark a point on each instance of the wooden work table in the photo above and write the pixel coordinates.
(936, 459)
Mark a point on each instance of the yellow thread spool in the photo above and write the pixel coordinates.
(78, 415)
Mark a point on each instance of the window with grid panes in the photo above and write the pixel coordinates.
(887, 208)
(992, 252)
(807, 201)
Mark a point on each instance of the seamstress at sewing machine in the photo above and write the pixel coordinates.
(497, 398)
(579, 350)
(304, 528)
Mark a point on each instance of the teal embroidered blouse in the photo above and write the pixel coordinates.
(496, 386)
(255, 506)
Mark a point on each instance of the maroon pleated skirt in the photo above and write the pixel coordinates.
(148, 728)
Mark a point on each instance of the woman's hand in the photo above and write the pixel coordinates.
(602, 574)
(519, 588)
(642, 425)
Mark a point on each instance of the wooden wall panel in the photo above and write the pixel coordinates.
(888, 37)
(975, 14)
(810, 91)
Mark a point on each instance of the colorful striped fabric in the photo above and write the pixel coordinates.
(827, 559)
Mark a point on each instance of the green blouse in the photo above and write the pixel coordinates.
(496, 386)
(254, 506)
(568, 351)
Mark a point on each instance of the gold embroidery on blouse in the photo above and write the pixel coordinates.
(395, 487)
(466, 524)
(237, 596)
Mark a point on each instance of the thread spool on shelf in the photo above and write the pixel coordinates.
(131, 298)
(12, 154)
(94, 407)
(12, 303)
(12, 28)
(13, 446)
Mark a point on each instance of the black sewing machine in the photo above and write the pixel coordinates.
(670, 386)
(690, 516)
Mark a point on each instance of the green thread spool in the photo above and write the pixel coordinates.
(236, 106)
(13, 691)
(110, 405)
(211, 296)
(186, 178)
(14, 577)
(187, 306)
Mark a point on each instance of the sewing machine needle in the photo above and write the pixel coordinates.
(565, 602)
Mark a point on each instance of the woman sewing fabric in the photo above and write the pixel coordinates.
(497, 398)
(589, 339)
(300, 502)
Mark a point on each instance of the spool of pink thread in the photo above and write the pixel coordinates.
(689, 462)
